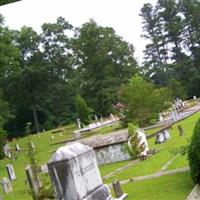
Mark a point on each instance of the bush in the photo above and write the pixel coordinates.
(194, 153)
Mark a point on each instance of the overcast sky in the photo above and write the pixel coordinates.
(122, 15)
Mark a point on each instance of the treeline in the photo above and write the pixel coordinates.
(172, 55)
(41, 75)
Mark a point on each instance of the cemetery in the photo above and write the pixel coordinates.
(163, 173)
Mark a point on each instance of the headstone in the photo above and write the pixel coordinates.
(77, 134)
(96, 118)
(11, 172)
(166, 134)
(181, 132)
(118, 190)
(6, 149)
(17, 148)
(143, 140)
(78, 123)
(34, 183)
(194, 97)
(6, 185)
(112, 117)
(161, 118)
(75, 175)
(159, 138)
(32, 145)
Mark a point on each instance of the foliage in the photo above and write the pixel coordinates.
(193, 153)
(105, 61)
(3, 139)
(82, 109)
(172, 53)
(134, 146)
(143, 101)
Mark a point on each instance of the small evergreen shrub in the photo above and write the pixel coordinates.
(194, 153)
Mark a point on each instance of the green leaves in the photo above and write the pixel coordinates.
(143, 101)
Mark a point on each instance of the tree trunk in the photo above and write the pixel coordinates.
(35, 118)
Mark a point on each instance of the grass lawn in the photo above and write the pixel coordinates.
(151, 165)
(176, 187)
(156, 162)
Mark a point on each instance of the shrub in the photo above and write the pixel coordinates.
(194, 153)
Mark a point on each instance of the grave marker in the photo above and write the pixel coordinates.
(33, 184)
(11, 172)
(6, 185)
(75, 175)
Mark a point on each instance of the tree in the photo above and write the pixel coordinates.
(82, 109)
(193, 153)
(104, 62)
(143, 101)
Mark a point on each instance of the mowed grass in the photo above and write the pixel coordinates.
(153, 164)
(176, 187)
(156, 162)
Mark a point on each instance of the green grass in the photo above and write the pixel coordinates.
(176, 187)
(108, 168)
(156, 162)
(151, 165)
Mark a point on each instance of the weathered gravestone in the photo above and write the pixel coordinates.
(11, 172)
(118, 190)
(33, 182)
(6, 150)
(6, 185)
(78, 123)
(17, 148)
(162, 136)
(75, 175)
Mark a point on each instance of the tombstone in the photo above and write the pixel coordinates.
(181, 132)
(143, 140)
(33, 184)
(166, 134)
(118, 190)
(112, 117)
(6, 150)
(95, 117)
(75, 175)
(17, 148)
(194, 97)
(161, 118)
(159, 138)
(60, 134)
(77, 134)
(32, 145)
(11, 172)
(6, 185)
(78, 123)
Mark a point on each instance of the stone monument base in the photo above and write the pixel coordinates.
(100, 193)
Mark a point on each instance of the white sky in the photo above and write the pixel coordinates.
(122, 15)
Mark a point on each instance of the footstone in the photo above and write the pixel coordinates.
(75, 175)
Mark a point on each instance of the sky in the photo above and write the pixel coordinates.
(122, 15)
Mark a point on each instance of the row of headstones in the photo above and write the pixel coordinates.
(164, 135)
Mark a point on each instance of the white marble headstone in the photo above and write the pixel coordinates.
(143, 140)
(75, 175)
